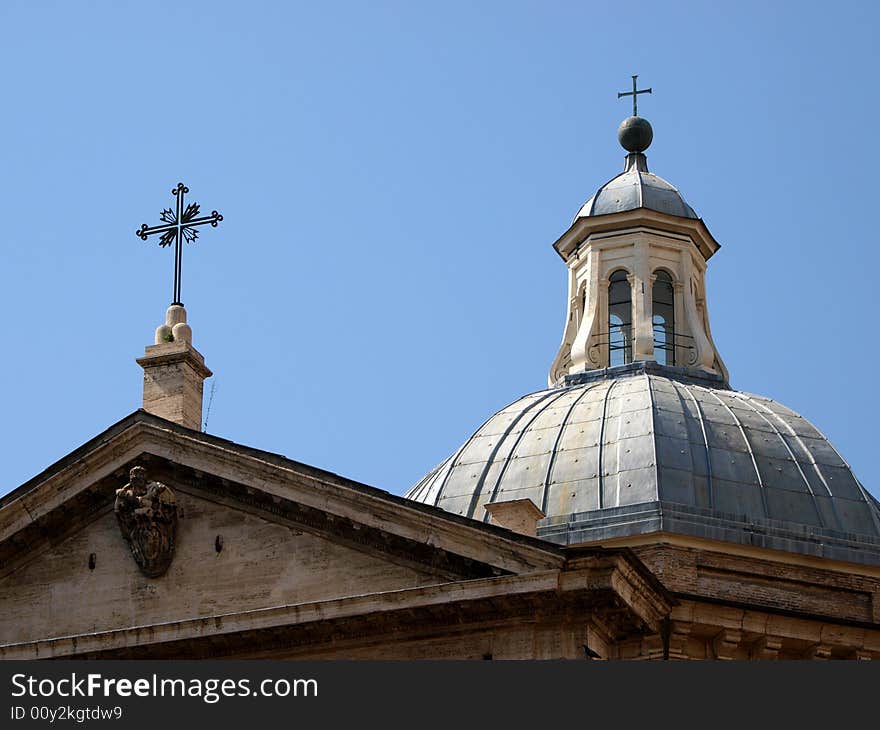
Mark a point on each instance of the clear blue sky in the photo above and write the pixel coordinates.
(392, 176)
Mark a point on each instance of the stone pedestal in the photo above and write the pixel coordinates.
(519, 515)
(174, 373)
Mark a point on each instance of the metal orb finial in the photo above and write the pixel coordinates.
(635, 134)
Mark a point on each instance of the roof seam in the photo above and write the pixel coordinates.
(874, 516)
(453, 459)
(519, 437)
(794, 435)
(553, 453)
(653, 433)
(641, 185)
(479, 487)
(863, 491)
(601, 456)
(709, 486)
(424, 486)
(748, 446)
(745, 398)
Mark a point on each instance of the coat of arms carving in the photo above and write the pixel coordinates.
(147, 515)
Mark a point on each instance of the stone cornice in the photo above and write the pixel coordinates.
(605, 582)
(175, 352)
(695, 229)
(75, 491)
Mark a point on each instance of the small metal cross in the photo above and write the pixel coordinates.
(179, 226)
(634, 94)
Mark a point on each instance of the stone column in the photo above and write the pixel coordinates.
(682, 343)
(643, 329)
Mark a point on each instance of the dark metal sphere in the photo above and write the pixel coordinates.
(635, 134)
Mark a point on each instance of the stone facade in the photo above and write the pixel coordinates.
(635, 510)
(278, 559)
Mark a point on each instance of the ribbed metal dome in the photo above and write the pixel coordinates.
(592, 455)
(636, 188)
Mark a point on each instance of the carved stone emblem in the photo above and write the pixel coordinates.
(147, 515)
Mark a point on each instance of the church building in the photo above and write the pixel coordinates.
(637, 508)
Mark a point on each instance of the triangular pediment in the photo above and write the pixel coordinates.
(255, 531)
(226, 560)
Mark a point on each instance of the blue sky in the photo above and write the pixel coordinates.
(392, 177)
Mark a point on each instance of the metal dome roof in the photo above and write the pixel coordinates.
(646, 448)
(636, 188)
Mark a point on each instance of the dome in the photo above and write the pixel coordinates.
(645, 448)
(636, 188)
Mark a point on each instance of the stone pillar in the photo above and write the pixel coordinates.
(640, 282)
(682, 343)
(174, 373)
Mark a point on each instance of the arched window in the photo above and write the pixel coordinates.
(619, 319)
(663, 308)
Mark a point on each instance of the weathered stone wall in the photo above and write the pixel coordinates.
(776, 607)
(261, 564)
(499, 640)
(773, 584)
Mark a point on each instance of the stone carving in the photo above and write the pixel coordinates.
(147, 515)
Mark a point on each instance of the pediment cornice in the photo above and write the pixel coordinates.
(81, 487)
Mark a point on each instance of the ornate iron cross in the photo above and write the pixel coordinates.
(634, 94)
(179, 226)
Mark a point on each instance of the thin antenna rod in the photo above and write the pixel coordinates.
(210, 403)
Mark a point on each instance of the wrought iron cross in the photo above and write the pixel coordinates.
(179, 226)
(634, 94)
